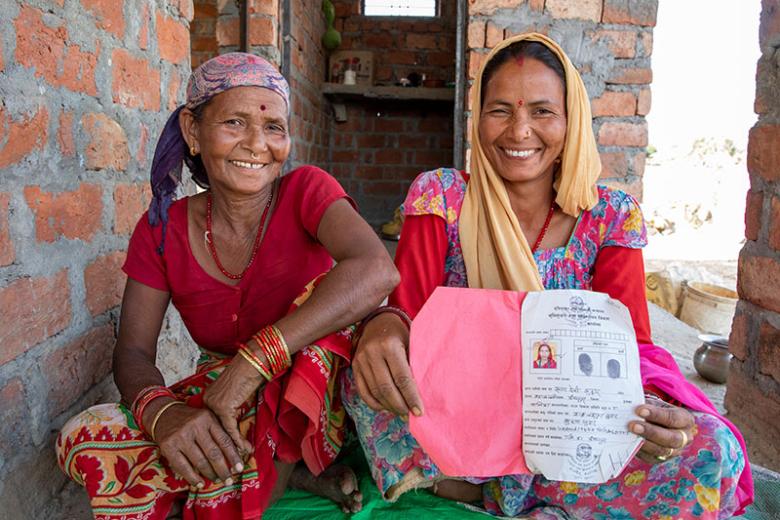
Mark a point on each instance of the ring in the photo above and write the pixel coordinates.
(664, 458)
(685, 438)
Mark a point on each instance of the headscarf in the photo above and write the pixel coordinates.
(235, 69)
(495, 251)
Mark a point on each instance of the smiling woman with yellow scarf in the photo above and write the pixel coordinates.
(530, 217)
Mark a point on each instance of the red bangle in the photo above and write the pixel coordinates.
(142, 400)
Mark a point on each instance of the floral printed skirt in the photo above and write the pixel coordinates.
(700, 483)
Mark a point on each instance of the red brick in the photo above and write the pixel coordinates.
(753, 210)
(143, 138)
(489, 6)
(639, 163)
(130, 201)
(537, 5)
(34, 309)
(108, 15)
(631, 76)
(769, 350)
(635, 12)
(227, 31)
(186, 9)
(143, 33)
(644, 102)
(270, 7)
(23, 136)
(135, 83)
(174, 84)
(475, 63)
(623, 134)
(65, 134)
(769, 26)
(581, 9)
(757, 279)
(646, 43)
(774, 231)
(388, 125)
(107, 146)
(764, 152)
(45, 49)
(614, 104)
(72, 214)
(422, 41)
(371, 141)
(400, 57)
(78, 366)
(613, 165)
(2, 62)
(345, 156)
(263, 31)
(739, 337)
(476, 35)
(382, 188)
(104, 282)
(173, 39)
(621, 43)
(7, 251)
(365, 171)
(494, 35)
(389, 156)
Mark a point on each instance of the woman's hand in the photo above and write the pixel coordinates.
(667, 430)
(381, 369)
(194, 443)
(237, 383)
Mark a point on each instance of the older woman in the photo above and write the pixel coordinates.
(245, 265)
(530, 217)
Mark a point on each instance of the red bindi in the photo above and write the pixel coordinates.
(520, 102)
(262, 107)
(520, 60)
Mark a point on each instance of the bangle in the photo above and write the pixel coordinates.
(376, 312)
(255, 361)
(274, 347)
(159, 414)
(146, 396)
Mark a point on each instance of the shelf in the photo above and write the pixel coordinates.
(337, 90)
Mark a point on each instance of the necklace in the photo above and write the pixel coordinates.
(544, 228)
(208, 237)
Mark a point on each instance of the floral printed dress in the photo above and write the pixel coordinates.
(700, 483)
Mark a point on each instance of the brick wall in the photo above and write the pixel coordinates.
(263, 25)
(383, 145)
(610, 42)
(753, 395)
(203, 31)
(85, 87)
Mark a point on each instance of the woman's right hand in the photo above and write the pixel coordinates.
(194, 443)
(381, 369)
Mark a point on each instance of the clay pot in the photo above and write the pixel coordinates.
(712, 358)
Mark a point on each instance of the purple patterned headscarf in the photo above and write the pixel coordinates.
(235, 69)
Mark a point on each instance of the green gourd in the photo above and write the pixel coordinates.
(332, 38)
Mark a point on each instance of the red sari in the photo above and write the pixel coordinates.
(296, 416)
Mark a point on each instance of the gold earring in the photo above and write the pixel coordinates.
(193, 151)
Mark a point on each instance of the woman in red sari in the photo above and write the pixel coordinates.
(249, 266)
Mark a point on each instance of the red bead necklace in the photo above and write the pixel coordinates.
(544, 228)
(259, 238)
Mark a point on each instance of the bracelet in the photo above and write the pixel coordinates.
(146, 396)
(159, 414)
(274, 347)
(255, 361)
(376, 312)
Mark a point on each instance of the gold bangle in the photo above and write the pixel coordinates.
(159, 414)
(261, 369)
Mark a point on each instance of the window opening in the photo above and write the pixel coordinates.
(399, 8)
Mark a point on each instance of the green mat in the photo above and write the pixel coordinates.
(767, 503)
(297, 505)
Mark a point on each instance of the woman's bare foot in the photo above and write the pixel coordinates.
(337, 483)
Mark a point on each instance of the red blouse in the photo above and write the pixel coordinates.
(218, 315)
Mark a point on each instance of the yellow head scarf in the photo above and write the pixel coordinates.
(495, 251)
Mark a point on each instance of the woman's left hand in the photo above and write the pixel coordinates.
(237, 383)
(667, 430)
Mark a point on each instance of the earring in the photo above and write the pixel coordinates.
(193, 151)
(254, 155)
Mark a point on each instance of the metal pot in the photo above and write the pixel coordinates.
(712, 358)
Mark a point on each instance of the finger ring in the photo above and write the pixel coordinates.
(665, 457)
(685, 438)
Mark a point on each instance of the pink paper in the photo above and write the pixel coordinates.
(465, 356)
